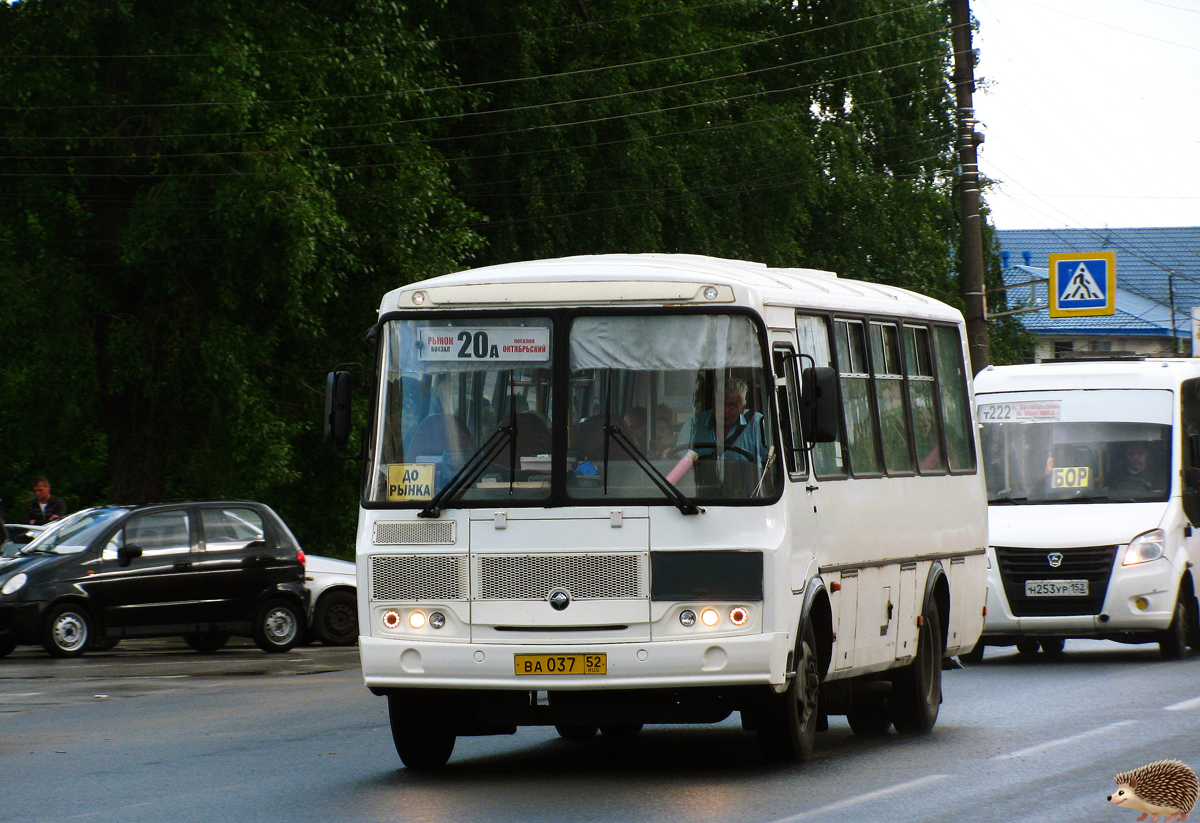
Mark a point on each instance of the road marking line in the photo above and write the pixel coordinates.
(1062, 741)
(863, 798)
(1183, 705)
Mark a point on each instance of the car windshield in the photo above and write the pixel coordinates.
(73, 533)
(473, 411)
(1036, 453)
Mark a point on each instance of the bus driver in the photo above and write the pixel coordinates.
(742, 433)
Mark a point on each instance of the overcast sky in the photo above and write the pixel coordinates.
(1091, 109)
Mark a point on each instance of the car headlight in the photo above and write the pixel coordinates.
(1145, 547)
(14, 583)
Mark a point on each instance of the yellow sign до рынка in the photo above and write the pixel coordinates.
(410, 481)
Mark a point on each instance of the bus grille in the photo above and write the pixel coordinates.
(1092, 563)
(414, 533)
(584, 576)
(419, 577)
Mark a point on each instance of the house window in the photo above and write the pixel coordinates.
(1063, 348)
(1102, 345)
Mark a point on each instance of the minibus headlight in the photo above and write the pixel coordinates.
(14, 583)
(416, 619)
(437, 620)
(738, 615)
(391, 619)
(687, 618)
(710, 617)
(1145, 547)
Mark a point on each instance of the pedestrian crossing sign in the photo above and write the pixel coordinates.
(1083, 285)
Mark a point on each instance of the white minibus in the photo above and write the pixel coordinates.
(608, 491)
(1093, 473)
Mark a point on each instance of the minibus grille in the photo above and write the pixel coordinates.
(419, 577)
(583, 576)
(1091, 563)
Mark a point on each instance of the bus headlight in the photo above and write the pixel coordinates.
(738, 615)
(710, 617)
(1145, 547)
(437, 620)
(391, 619)
(416, 619)
(687, 618)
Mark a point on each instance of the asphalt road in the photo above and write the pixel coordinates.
(154, 732)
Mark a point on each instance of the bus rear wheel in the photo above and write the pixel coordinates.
(917, 688)
(420, 730)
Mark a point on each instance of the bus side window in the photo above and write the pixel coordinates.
(858, 411)
(952, 391)
(787, 398)
(828, 459)
(1190, 417)
(918, 367)
(889, 397)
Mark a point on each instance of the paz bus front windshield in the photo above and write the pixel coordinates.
(648, 408)
(1077, 447)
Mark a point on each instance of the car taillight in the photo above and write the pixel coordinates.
(300, 556)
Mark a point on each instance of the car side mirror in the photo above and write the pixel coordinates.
(819, 404)
(126, 554)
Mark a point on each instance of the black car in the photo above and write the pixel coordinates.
(204, 570)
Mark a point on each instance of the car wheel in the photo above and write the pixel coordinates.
(277, 626)
(7, 644)
(420, 730)
(66, 631)
(917, 688)
(335, 620)
(787, 727)
(206, 643)
(574, 731)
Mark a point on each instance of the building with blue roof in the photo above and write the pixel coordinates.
(1158, 286)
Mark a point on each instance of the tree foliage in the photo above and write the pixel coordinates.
(203, 202)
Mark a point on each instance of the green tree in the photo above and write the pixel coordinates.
(202, 205)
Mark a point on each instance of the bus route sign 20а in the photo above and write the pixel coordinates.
(1083, 284)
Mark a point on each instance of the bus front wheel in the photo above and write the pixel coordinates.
(420, 729)
(787, 727)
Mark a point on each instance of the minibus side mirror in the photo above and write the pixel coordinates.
(337, 409)
(819, 404)
(1191, 478)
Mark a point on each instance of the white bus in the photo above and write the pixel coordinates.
(553, 533)
(1093, 471)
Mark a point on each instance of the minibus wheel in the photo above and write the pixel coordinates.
(1172, 645)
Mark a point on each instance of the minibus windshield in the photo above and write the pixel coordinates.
(1041, 452)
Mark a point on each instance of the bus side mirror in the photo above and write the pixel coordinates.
(819, 404)
(337, 409)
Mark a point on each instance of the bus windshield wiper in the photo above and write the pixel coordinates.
(675, 495)
(470, 470)
(1009, 501)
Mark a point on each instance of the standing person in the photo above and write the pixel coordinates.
(44, 507)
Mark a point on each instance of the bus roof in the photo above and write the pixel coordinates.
(1058, 375)
(658, 279)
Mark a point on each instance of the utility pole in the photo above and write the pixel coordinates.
(971, 276)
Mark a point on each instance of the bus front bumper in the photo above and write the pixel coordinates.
(759, 659)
